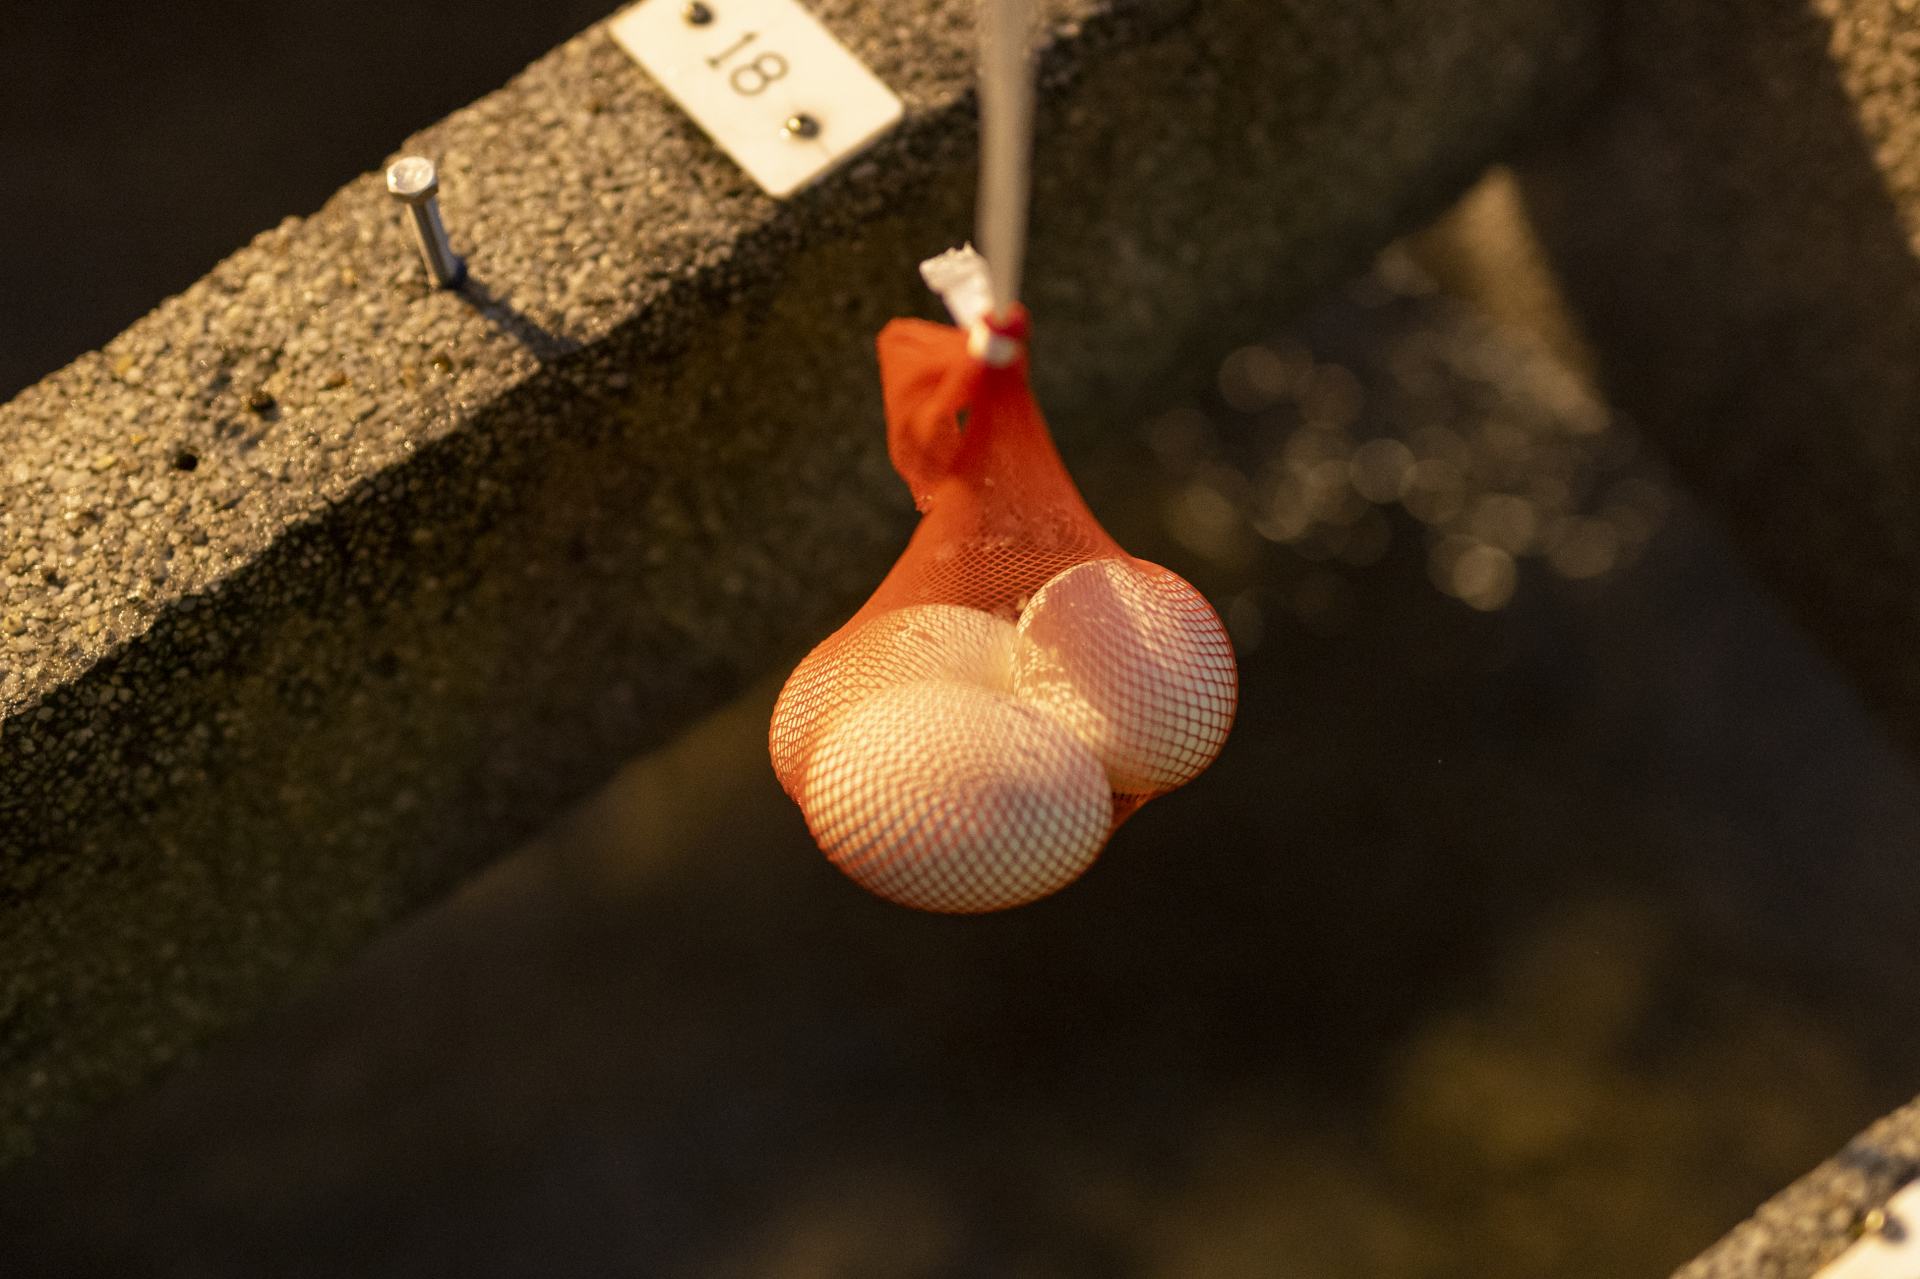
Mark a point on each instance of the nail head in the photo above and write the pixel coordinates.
(413, 178)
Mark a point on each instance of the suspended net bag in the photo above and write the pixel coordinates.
(1018, 685)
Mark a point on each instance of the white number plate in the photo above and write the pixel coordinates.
(1892, 1250)
(765, 80)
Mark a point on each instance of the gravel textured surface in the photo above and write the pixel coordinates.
(321, 587)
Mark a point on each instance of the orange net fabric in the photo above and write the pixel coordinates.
(1018, 685)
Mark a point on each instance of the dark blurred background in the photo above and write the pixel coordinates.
(1530, 925)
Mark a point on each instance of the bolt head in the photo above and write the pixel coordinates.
(413, 179)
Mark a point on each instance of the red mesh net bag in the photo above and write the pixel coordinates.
(1018, 685)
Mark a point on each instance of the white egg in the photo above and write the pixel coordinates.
(954, 798)
(1136, 663)
(902, 646)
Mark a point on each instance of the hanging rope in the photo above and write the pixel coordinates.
(1006, 144)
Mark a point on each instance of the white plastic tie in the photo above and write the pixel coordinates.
(961, 279)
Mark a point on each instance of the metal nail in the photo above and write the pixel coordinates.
(801, 126)
(415, 182)
(697, 14)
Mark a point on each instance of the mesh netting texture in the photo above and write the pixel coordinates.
(1018, 685)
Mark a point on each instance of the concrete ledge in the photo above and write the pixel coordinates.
(1813, 1221)
(1734, 236)
(321, 588)
(1736, 233)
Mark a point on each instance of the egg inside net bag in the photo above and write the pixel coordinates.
(1018, 685)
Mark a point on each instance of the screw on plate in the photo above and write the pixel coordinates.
(697, 14)
(801, 126)
(1878, 1223)
(415, 182)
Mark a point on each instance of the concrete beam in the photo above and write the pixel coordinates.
(323, 588)
(1735, 231)
(1807, 1225)
(1733, 238)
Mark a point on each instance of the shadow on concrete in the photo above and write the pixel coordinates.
(543, 344)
